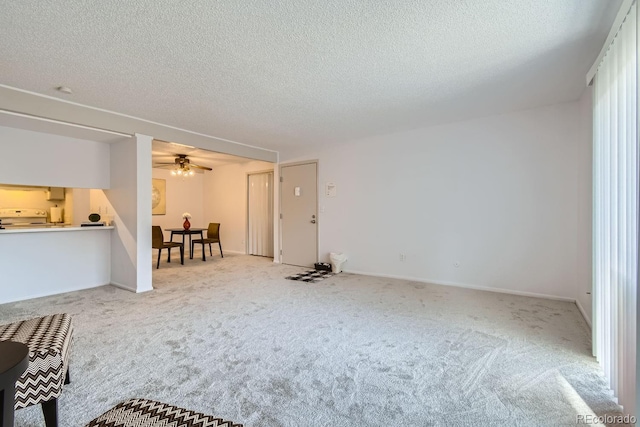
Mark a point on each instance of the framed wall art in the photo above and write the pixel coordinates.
(158, 196)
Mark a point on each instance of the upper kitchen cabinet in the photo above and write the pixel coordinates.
(55, 194)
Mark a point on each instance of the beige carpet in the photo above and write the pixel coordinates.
(232, 337)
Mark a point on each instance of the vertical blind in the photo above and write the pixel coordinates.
(615, 213)
(261, 214)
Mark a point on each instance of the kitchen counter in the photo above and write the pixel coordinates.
(52, 228)
(47, 260)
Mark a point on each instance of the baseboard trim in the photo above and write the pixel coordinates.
(584, 313)
(465, 285)
(233, 252)
(140, 291)
(48, 294)
(125, 287)
(197, 250)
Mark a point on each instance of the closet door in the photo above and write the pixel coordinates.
(260, 227)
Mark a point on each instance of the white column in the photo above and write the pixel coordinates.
(143, 190)
(130, 199)
(276, 214)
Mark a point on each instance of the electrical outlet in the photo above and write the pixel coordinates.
(403, 257)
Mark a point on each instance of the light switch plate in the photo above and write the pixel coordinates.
(330, 190)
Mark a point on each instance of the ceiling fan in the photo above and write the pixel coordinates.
(182, 166)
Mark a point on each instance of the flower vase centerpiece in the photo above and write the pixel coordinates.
(186, 224)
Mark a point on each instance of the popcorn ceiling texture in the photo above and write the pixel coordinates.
(277, 74)
(233, 338)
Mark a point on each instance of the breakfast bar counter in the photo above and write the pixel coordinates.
(52, 228)
(47, 260)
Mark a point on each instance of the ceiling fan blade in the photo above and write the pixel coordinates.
(200, 167)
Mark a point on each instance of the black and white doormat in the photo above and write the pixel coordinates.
(311, 276)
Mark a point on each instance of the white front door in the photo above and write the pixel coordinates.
(299, 209)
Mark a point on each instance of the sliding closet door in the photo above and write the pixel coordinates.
(261, 214)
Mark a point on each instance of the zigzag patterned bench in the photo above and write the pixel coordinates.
(49, 340)
(148, 413)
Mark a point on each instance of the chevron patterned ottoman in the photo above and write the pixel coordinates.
(48, 339)
(148, 413)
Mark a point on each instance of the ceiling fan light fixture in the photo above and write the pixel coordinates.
(182, 166)
(182, 170)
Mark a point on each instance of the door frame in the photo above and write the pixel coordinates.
(280, 166)
(273, 197)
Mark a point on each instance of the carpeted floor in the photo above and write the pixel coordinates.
(232, 337)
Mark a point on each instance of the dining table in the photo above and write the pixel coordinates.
(189, 232)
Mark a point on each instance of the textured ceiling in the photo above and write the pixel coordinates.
(279, 74)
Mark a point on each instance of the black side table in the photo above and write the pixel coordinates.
(14, 360)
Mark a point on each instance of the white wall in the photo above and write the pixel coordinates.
(143, 209)
(129, 198)
(585, 206)
(498, 195)
(276, 214)
(78, 205)
(183, 195)
(66, 261)
(48, 263)
(34, 158)
(225, 201)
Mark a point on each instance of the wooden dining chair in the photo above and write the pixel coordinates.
(158, 243)
(213, 236)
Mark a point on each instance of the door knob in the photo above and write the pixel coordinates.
(313, 221)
